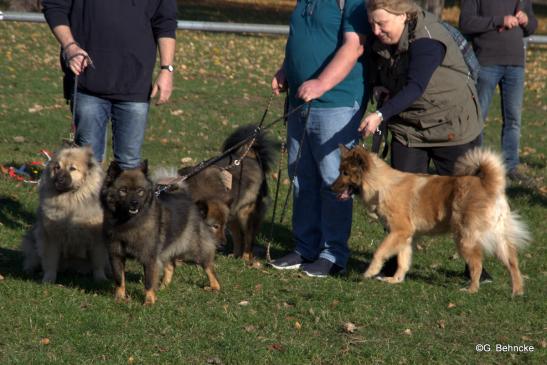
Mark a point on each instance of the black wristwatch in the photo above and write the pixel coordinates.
(169, 68)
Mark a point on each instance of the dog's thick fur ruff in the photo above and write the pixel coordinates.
(67, 234)
(472, 205)
(154, 230)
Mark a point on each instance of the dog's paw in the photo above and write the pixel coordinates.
(392, 280)
(150, 298)
(370, 274)
(470, 290)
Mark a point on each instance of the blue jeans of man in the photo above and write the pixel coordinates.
(511, 82)
(128, 125)
(321, 224)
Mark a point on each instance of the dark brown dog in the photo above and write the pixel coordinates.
(471, 205)
(154, 230)
(249, 188)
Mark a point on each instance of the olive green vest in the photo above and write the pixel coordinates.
(448, 112)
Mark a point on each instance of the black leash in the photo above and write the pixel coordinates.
(379, 135)
(72, 135)
(299, 153)
(206, 163)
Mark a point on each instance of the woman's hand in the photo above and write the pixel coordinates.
(279, 82)
(369, 125)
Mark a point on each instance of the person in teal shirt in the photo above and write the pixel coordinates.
(324, 65)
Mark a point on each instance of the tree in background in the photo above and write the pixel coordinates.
(24, 5)
(433, 6)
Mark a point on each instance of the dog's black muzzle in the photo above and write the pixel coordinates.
(62, 181)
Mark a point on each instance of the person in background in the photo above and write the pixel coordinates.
(111, 47)
(428, 95)
(324, 66)
(497, 28)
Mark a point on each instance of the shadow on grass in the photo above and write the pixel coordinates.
(11, 266)
(13, 215)
(532, 195)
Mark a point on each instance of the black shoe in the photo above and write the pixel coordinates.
(322, 268)
(519, 178)
(485, 276)
(291, 261)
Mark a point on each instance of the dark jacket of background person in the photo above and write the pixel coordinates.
(119, 74)
(482, 20)
(447, 113)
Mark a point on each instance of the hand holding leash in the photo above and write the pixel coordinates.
(76, 58)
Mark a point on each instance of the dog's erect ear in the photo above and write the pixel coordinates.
(114, 170)
(343, 150)
(144, 167)
(203, 208)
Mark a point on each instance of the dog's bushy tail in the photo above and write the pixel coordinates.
(166, 176)
(264, 146)
(485, 164)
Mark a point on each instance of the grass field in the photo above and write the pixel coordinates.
(261, 315)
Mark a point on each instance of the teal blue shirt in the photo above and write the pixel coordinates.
(316, 32)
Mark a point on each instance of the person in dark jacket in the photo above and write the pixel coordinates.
(429, 96)
(497, 28)
(111, 47)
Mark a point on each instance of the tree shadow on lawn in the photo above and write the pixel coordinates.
(531, 194)
(11, 266)
(12, 214)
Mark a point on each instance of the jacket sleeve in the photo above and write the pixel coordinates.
(532, 25)
(164, 20)
(471, 22)
(56, 12)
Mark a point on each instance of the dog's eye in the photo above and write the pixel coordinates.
(216, 226)
(140, 192)
(72, 168)
(56, 167)
(122, 192)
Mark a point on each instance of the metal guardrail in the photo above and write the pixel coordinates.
(209, 26)
(181, 24)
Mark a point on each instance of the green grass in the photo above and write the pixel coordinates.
(222, 81)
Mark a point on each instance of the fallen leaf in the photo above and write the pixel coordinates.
(244, 302)
(408, 332)
(297, 325)
(130, 360)
(349, 327)
(543, 343)
(276, 347)
(249, 328)
(441, 323)
(35, 108)
(44, 341)
(186, 160)
(526, 338)
(451, 305)
(214, 360)
(176, 112)
(19, 139)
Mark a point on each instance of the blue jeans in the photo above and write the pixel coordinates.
(128, 126)
(321, 224)
(511, 82)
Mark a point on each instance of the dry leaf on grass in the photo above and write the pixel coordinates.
(408, 332)
(244, 302)
(44, 341)
(451, 305)
(297, 325)
(441, 323)
(349, 327)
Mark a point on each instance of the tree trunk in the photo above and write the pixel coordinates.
(433, 6)
(24, 5)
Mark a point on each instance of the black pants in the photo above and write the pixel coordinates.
(417, 160)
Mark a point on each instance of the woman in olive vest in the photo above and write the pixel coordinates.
(424, 86)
